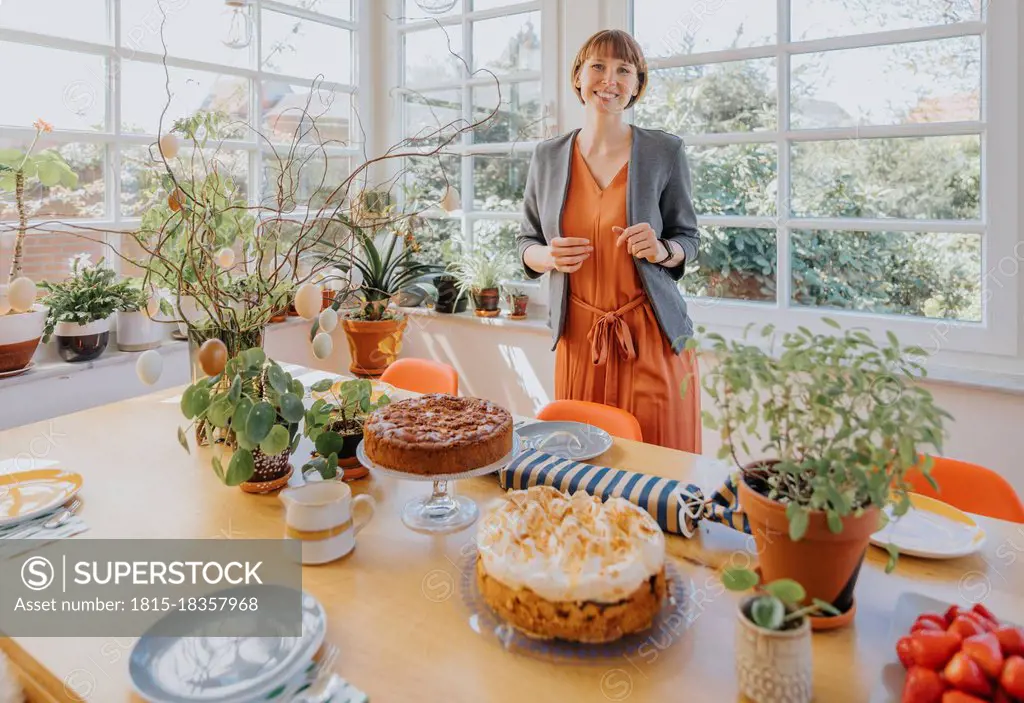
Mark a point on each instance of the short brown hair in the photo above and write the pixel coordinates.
(619, 45)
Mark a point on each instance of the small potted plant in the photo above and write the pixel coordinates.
(255, 407)
(136, 331)
(22, 319)
(335, 424)
(80, 309)
(480, 272)
(839, 422)
(517, 300)
(773, 638)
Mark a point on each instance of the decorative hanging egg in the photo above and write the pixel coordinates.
(153, 303)
(450, 201)
(323, 345)
(213, 356)
(21, 294)
(169, 146)
(328, 320)
(149, 367)
(308, 301)
(226, 258)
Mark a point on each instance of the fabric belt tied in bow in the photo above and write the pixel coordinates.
(610, 328)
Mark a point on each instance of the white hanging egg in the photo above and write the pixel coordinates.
(355, 278)
(308, 301)
(5, 303)
(153, 303)
(323, 345)
(226, 258)
(149, 367)
(328, 320)
(450, 201)
(22, 294)
(169, 145)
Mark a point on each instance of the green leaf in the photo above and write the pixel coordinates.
(292, 409)
(49, 173)
(737, 579)
(322, 386)
(826, 608)
(767, 612)
(894, 555)
(787, 590)
(275, 442)
(201, 400)
(331, 467)
(186, 404)
(835, 523)
(798, 524)
(182, 440)
(278, 379)
(242, 409)
(297, 388)
(261, 418)
(241, 468)
(235, 393)
(218, 468)
(329, 443)
(831, 323)
(220, 413)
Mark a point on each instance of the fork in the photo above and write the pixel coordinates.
(321, 688)
(63, 515)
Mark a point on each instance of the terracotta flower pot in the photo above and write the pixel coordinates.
(327, 298)
(19, 337)
(373, 344)
(486, 302)
(772, 666)
(518, 305)
(826, 564)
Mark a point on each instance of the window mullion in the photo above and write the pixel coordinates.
(468, 189)
(256, 107)
(783, 281)
(113, 149)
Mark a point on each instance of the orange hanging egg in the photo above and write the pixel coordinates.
(176, 200)
(213, 357)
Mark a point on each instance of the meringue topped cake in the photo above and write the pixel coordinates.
(571, 568)
(438, 434)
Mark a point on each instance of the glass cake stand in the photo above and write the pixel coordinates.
(440, 512)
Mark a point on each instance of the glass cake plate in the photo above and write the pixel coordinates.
(440, 512)
(669, 626)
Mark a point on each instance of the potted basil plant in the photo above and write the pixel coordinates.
(335, 424)
(256, 409)
(837, 423)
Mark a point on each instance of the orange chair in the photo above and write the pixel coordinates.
(614, 421)
(970, 488)
(422, 376)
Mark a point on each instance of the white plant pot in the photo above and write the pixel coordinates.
(136, 332)
(77, 342)
(19, 337)
(773, 667)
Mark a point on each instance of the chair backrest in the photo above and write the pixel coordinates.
(971, 488)
(422, 376)
(614, 421)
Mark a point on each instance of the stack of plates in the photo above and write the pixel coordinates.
(25, 495)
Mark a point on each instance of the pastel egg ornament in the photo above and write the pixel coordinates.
(308, 301)
(153, 303)
(21, 294)
(212, 357)
(328, 320)
(323, 345)
(226, 258)
(169, 145)
(149, 367)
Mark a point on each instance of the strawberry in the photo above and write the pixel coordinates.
(1002, 697)
(933, 650)
(950, 615)
(964, 674)
(984, 649)
(985, 613)
(1011, 640)
(1012, 679)
(965, 627)
(984, 623)
(922, 686)
(960, 697)
(922, 624)
(904, 653)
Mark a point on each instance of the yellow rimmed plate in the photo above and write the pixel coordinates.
(27, 494)
(931, 529)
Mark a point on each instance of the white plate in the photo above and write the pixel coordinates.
(569, 440)
(28, 494)
(931, 529)
(204, 668)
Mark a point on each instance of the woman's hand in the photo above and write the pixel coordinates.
(567, 254)
(641, 242)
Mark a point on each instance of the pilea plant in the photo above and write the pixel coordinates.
(778, 605)
(335, 422)
(255, 404)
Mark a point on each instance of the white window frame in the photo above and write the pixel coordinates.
(465, 147)
(1002, 247)
(114, 139)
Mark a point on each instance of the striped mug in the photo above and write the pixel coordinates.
(320, 516)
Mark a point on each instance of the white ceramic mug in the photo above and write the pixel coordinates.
(320, 515)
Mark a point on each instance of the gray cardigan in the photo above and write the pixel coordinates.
(657, 192)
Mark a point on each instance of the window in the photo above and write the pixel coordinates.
(97, 76)
(842, 159)
(493, 70)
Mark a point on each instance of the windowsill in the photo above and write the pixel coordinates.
(535, 322)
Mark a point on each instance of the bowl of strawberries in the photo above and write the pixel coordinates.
(961, 656)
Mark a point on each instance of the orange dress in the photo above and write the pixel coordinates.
(612, 350)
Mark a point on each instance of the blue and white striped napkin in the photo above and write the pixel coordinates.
(678, 507)
(11, 536)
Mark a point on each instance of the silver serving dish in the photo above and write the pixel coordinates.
(569, 440)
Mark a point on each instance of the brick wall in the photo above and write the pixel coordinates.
(46, 254)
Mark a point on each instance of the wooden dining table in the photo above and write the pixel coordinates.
(394, 605)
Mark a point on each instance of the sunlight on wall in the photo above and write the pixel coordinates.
(530, 384)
